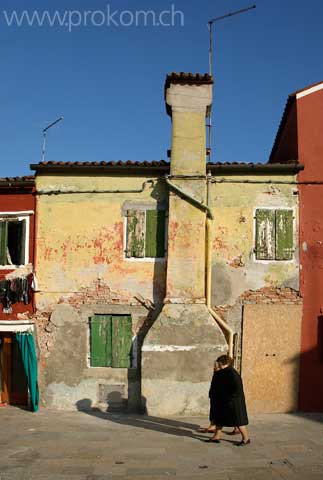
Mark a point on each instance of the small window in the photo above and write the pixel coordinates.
(110, 341)
(145, 234)
(274, 234)
(13, 241)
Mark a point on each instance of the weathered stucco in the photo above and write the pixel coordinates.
(82, 271)
(177, 360)
(180, 348)
(80, 238)
(234, 267)
(67, 380)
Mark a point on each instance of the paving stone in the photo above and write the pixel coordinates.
(56, 445)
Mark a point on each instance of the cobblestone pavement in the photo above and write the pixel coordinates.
(55, 445)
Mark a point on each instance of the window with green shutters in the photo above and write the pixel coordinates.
(110, 341)
(274, 234)
(12, 241)
(145, 236)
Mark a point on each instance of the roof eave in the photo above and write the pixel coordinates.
(117, 169)
(257, 169)
(19, 184)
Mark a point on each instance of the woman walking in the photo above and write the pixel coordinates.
(212, 427)
(228, 406)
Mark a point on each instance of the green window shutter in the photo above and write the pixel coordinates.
(101, 341)
(3, 242)
(121, 341)
(22, 242)
(265, 234)
(155, 233)
(135, 234)
(284, 235)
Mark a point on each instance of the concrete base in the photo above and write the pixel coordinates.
(177, 360)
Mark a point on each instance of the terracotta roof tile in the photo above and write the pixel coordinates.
(26, 178)
(183, 78)
(119, 163)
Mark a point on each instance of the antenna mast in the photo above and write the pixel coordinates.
(44, 136)
(210, 26)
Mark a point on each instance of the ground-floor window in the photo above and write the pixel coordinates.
(110, 341)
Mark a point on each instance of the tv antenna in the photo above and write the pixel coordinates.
(210, 26)
(44, 136)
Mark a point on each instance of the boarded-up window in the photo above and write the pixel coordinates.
(274, 234)
(145, 234)
(12, 241)
(110, 341)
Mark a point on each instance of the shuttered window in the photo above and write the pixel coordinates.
(12, 241)
(274, 234)
(110, 341)
(145, 234)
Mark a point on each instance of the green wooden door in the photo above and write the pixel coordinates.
(101, 341)
(121, 341)
(111, 340)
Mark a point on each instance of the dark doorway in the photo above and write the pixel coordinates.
(13, 381)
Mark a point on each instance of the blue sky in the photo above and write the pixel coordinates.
(108, 81)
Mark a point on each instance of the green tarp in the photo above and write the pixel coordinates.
(28, 354)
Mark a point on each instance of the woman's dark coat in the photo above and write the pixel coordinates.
(228, 406)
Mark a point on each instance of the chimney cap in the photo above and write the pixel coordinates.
(189, 78)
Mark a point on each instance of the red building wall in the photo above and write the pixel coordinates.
(19, 200)
(287, 147)
(310, 146)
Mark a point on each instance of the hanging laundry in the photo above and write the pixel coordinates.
(15, 290)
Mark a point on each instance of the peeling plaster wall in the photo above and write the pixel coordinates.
(82, 271)
(234, 268)
(80, 239)
(67, 381)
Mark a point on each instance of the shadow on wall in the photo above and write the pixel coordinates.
(153, 311)
(311, 379)
(163, 425)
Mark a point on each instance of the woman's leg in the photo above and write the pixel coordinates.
(244, 433)
(217, 433)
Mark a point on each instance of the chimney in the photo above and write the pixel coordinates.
(180, 348)
(188, 100)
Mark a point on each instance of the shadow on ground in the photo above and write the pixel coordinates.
(163, 425)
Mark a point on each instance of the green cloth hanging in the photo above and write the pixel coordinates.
(29, 359)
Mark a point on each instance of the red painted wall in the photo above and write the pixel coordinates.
(18, 200)
(310, 145)
(287, 148)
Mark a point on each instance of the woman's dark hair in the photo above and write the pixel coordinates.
(225, 360)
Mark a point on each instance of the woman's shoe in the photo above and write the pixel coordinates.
(206, 430)
(243, 443)
(233, 432)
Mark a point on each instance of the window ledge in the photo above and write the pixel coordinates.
(145, 259)
(16, 267)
